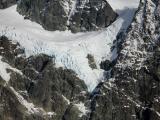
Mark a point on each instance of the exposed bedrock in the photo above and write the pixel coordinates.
(75, 15)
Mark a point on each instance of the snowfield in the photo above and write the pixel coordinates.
(70, 50)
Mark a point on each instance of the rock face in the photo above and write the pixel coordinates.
(6, 3)
(75, 15)
(37, 90)
(133, 92)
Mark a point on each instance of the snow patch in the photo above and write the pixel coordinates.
(31, 108)
(3, 70)
(68, 101)
(81, 107)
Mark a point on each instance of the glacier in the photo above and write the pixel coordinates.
(70, 50)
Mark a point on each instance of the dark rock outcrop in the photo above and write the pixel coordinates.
(63, 14)
(91, 61)
(95, 14)
(158, 9)
(7, 3)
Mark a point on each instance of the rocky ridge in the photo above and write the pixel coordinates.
(132, 93)
(74, 15)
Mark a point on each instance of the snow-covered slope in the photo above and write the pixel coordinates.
(70, 50)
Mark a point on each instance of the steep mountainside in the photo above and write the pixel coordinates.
(42, 79)
(133, 92)
(75, 15)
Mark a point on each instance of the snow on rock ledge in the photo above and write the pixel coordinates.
(3, 70)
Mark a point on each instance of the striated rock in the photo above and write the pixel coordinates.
(74, 15)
